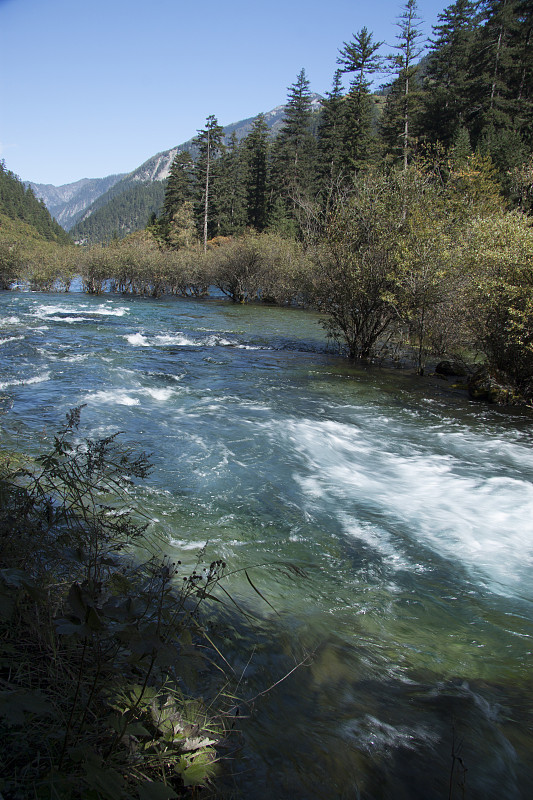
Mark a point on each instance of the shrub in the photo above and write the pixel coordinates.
(98, 651)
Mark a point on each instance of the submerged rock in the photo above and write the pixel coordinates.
(450, 368)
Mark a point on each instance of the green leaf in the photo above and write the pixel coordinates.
(254, 587)
(137, 729)
(18, 579)
(107, 782)
(149, 790)
(167, 655)
(196, 774)
(94, 620)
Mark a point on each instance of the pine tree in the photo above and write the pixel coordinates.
(210, 145)
(447, 82)
(524, 76)
(255, 156)
(500, 89)
(504, 85)
(403, 99)
(359, 57)
(294, 150)
(229, 191)
(330, 138)
(179, 183)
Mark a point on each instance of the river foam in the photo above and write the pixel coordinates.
(482, 521)
(81, 312)
(11, 339)
(25, 381)
(179, 339)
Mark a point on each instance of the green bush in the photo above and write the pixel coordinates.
(98, 652)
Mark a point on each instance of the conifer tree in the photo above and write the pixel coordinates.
(255, 155)
(330, 138)
(179, 183)
(447, 84)
(491, 90)
(504, 79)
(210, 145)
(361, 59)
(403, 98)
(524, 72)
(294, 150)
(229, 191)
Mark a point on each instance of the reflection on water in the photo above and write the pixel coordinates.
(410, 511)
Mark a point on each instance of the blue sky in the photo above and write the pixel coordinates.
(92, 89)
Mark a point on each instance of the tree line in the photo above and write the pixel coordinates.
(472, 91)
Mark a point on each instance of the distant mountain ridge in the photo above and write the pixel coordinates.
(75, 204)
(68, 202)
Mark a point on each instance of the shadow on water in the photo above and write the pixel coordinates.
(344, 724)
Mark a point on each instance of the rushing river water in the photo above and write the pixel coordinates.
(411, 513)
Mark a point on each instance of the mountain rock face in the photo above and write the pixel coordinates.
(74, 204)
(68, 202)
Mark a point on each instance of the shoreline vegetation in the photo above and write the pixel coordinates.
(113, 681)
(403, 270)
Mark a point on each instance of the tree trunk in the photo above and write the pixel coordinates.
(206, 200)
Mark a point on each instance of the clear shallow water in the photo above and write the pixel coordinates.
(412, 515)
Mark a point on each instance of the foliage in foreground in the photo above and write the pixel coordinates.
(98, 655)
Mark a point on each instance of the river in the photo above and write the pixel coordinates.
(409, 510)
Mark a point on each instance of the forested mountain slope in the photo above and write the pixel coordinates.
(68, 202)
(20, 203)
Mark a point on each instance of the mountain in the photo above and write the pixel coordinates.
(126, 204)
(68, 202)
(116, 215)
(19, 202)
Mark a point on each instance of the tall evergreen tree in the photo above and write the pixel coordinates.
(403, 99)
(361, 59)
(255, 155)
(330, 138)
(447, 83)
(524, 89)
(504, 70)
(294, 149)
(210, 144)
(229, 192)
(179, 188)
(494, 49)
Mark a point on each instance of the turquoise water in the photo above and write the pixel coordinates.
(410, 511)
